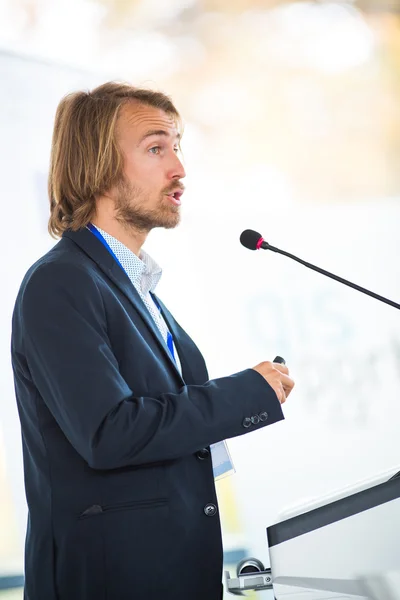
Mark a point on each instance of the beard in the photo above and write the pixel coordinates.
(130, 208)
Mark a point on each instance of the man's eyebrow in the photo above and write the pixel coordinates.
(158, 132)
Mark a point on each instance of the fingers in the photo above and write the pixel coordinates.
(280, 393)
(277, 375)
(283, 390)
(280, 367)
(281, 384)
(272, 365)
(287, 384)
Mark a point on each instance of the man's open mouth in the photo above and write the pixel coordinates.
(176, 197)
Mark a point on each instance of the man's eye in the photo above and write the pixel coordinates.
(155, 149)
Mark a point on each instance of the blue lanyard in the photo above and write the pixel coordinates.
(170, 341)
(96, 232)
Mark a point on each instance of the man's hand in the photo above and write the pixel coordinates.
(277, 375)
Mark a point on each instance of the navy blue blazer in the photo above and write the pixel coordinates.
(118, 473)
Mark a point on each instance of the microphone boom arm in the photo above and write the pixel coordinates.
(267, 246)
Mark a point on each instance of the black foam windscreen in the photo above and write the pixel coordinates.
(250, 239)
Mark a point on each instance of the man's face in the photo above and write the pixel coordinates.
(149, 195)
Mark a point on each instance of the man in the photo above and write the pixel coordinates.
(116, 408)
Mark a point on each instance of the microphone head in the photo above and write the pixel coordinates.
(251, 239)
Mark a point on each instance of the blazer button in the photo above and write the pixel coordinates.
(263, 416)
(210, 510)
(203, 454)
(255, 420)
(246, 422)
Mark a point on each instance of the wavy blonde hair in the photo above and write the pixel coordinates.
(85, 159)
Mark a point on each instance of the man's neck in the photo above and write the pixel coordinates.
(128, 236)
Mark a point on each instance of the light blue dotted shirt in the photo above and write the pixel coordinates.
(144, 274)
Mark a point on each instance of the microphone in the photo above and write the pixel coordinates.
(254, 241)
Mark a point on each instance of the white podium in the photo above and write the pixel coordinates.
(341, 546)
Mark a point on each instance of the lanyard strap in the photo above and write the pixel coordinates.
(170, 341)
(96, 232)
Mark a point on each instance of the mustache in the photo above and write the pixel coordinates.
(174, 188)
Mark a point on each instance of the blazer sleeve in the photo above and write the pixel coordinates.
(72, 364)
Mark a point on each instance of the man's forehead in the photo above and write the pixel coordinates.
(139, 118)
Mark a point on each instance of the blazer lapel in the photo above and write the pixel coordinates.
(97, 252)
(193, 365)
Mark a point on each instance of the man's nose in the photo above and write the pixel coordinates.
(177, 170)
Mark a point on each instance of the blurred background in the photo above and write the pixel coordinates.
(292, 127)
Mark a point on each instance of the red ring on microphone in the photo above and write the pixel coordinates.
(259, 243)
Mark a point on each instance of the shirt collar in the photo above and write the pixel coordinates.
(142, 270)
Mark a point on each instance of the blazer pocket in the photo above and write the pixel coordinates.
(97, 509)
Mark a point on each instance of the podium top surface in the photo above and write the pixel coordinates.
(336, 507)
